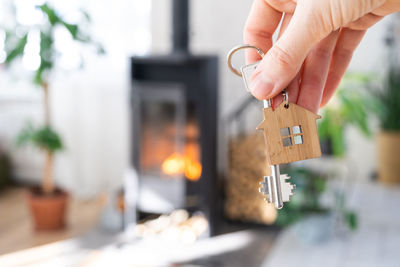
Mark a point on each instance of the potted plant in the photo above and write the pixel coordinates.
(316, 220)
(386, 106)
(350, 106)
(47, 202)
(387, 109)
(310, 186)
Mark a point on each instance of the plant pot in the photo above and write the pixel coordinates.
(48, 211)
(389, 157)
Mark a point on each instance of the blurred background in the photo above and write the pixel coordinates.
(125, 140)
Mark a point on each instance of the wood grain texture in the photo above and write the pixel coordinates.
(281, 117)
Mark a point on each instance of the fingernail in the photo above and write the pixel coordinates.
(261, 86)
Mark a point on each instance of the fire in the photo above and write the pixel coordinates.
(174, 164)
(179, 164)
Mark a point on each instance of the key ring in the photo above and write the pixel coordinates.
(267, 102)
(285, 98)
(234, 50)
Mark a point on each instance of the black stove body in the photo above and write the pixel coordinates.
(191, 82)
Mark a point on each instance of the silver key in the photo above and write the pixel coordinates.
(247, 71)
(276, 187)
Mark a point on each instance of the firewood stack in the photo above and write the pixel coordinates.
(247, 167)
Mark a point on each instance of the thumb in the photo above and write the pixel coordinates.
(283, 61)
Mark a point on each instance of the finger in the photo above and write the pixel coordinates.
(389, 7)
(316, 67)
(293, 87)
(260, 26)
(282, 62)
(285, 23)
(292, 90)
(345, 46)
(365, 22)
(286, 6)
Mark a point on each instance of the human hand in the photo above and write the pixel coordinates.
(314, 48)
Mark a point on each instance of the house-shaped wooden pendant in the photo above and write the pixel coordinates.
(290, 134)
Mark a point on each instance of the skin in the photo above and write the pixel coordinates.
(315, 44)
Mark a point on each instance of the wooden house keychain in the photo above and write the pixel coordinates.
(290, 133)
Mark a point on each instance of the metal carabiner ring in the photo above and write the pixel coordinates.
(285, 98)
(234, 50)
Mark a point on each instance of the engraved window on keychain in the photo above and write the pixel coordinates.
(292, 135)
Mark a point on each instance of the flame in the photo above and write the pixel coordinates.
(174, 164)
(179, 164)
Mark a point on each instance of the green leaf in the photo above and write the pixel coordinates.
(352, 108)
(15, 46)
(390, 101)
(44, 138)
(25, 136)
(310, 186)
(320, 185)
(86, 15)
(352, 221)
(18, 49)
(331, 128)
(38, 78)
(72, 28)
(83, 38)
(51, 13)
(100, 49)
(288, 216)
(46, 56)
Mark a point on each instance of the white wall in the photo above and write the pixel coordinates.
(90, 106)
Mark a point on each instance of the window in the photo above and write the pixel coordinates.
(296, 129)
(298, 139)
(287, 141)
(292, 135)
(285, 131)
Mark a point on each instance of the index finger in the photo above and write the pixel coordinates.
(261, 24)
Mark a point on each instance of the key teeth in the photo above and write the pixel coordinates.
(264, 187)
(286, 188)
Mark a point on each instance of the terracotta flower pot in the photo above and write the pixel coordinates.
(48, 211)
(389, 157)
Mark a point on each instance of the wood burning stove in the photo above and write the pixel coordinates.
(174, 105)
